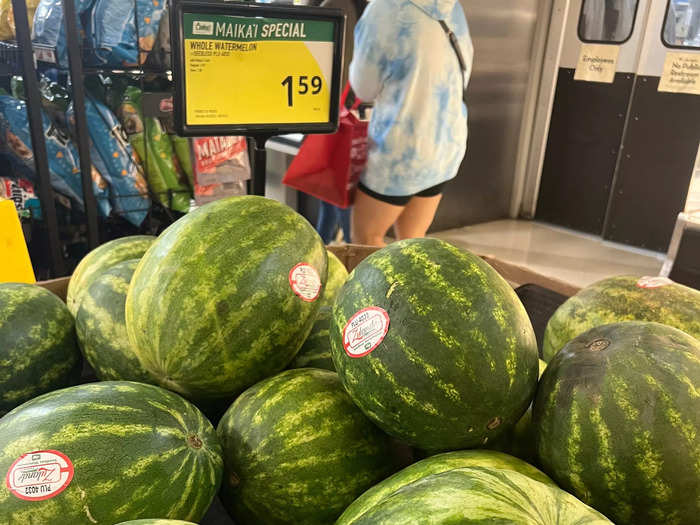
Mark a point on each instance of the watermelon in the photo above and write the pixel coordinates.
(38, 348)
(473, 495)
(226, 296)
(520, 440)
(434, 346)
(436, 465)
(337, 275)
(316, 350)
(156, 522)
(101, 259)
(125, 451)
(296, 450)
(617, 415)
(101, 327)
(624, 298)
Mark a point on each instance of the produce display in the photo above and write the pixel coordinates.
(296, 450)
(421, 331)
(107, 452)
(435, 356)
(101, 326)
(38, 349)
(239, 281)
(101, 259)
(623, 298)
(617, 414)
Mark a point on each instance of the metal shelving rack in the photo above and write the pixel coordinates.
(27, 55)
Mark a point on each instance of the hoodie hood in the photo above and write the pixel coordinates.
(437, 9)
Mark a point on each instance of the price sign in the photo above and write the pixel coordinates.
(249, 69)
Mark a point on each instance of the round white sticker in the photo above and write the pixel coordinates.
(653, 282)
(39, 475)
(305, 282)
(365, 331)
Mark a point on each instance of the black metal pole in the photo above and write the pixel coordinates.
(259, 165)
(75, 63)
(36, 127)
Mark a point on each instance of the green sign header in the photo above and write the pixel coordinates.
(254, 29)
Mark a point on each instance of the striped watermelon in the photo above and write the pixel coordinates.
(520, 440)
(472, 495)
(38, 349)
(101, 259)
(125, 451)
(624, 298)
(436, 465)
(316, 350)
(434, 346)
(337, 275)
(296, 450)
(226, 296)
(617, 416)
(101, 327)
(156, 522)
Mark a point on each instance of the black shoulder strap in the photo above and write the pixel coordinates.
(359, 6)
(460, 58)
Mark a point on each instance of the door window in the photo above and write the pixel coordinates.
(607, 21)
(682, 24)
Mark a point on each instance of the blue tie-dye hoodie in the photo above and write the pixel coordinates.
(403, 61)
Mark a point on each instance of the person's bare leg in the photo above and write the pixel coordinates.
(371, 219)
(416, 217)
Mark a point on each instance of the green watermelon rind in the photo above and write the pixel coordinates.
(297, 450)
(38, 347)
(136, 450)
(618, 299)
(476, 494)
(337, 275)
(100, 259)
(101, 326)
(316, 350)
(615, 418)
(156, 522)
(435, 465)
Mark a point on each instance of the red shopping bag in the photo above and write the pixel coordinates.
(329, 166)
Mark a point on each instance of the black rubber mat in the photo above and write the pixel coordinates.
(540, 303)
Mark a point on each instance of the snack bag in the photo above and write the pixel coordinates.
(64, 165)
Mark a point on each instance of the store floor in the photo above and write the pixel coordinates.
(575, 258)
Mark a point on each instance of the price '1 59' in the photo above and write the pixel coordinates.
(303, 84)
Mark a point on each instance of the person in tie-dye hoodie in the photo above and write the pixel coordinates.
(403, 61)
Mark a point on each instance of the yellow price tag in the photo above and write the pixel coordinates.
(253, 70)
(16, 265)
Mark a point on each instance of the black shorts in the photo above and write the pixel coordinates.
(401, 200)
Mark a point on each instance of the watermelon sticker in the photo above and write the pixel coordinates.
(305, 282)
(365, 331)
(653, 282)
(39, 475)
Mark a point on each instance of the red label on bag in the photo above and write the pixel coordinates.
(653, 282)
(365, 331)
(305, 282)
(40, 475)
(210, 152)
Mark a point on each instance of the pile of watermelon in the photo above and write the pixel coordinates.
(237, 362)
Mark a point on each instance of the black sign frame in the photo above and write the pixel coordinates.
(217, 7)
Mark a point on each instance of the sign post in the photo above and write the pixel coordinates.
(257, 70)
